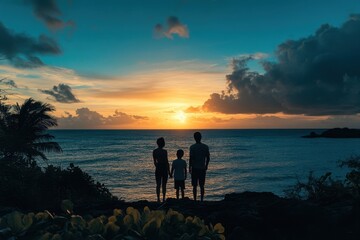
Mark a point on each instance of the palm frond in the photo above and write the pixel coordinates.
(47, 147)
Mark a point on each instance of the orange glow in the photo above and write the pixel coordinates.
(180, 116)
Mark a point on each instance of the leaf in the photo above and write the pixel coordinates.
(219, 228)
(67, 206)
(117, 212)
(111, 228)
(96, 226)
(77, 221)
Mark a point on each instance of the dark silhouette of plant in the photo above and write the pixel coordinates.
(324, 189)
(353, 177)
(321, 189)
(23, 134)
(39, 188)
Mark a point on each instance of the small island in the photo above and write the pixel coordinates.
(336, 133)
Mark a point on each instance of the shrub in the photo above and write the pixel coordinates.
(352, 179)
(129, 224)
(321, 189)
(34, 188)
(324, 189)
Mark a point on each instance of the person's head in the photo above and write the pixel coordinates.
(160, 142)
(197, 137)
(180, 153)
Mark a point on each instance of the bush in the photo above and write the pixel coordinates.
(352, 179)
(129, 224)
(324, 189)
(321, 189)
(34, 188)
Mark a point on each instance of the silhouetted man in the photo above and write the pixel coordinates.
(198, 164)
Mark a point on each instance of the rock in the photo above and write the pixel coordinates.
(336, 133)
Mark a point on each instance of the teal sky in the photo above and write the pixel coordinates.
(116, 37)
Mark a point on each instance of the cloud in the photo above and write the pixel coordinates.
(86, 119)
(8, 82)
(254, 56)
(62, 93)
(174, 26)
(49, 12)
(192, 109)
(316, 75)
(21, 50)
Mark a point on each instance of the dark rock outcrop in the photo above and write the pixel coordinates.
(336, 133)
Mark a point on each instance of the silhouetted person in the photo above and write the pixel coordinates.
(198, 164)
(178, 167)
(162, 167)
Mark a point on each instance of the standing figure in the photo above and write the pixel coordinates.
(198, 164)
(178, 168)
(162, 169)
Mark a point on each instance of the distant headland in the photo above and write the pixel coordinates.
(336, 133)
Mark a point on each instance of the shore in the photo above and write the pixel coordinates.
(259, 215)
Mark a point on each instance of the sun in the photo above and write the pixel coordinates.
(180, 116)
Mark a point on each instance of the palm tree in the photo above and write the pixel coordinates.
(23, 129)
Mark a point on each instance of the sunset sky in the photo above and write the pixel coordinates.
(185, 64)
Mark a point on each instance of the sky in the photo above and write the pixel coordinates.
(195, 64)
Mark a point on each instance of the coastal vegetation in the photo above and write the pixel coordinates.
(23, 140)
(325, 189)
(130, 224)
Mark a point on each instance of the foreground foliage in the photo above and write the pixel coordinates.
(325, 189)
(36, 188)
(23, 135)
(130, 224)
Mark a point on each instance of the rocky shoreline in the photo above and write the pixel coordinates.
(336, 133)
(260, 215)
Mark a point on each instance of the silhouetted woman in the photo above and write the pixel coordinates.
(162, 171)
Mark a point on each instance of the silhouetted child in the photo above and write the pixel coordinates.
(179, 167)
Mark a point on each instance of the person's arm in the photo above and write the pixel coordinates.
(185, 170)
(207, 159)
(172, 170)
(154, 157)
(190, 161)
(167, 163)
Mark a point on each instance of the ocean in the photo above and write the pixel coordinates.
(241, 160)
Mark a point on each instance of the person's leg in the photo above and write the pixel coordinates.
(202, 184)
(182, 193)
(158, 184)
(164, 181)
(158, 192)
(177, 193)
(194, 192)
(194, 181)
(202, 192)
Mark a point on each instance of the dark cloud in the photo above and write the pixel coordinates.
(174, 26)
(49, 12)
(86, 119)
(21, 50)
(8, 82)
(316, 75)
(62, 93)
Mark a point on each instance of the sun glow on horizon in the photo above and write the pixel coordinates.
(180, 116)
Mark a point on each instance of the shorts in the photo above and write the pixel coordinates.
(161, 177)
(179, 184)
(198, 176)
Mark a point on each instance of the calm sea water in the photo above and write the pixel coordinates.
(255, 160)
